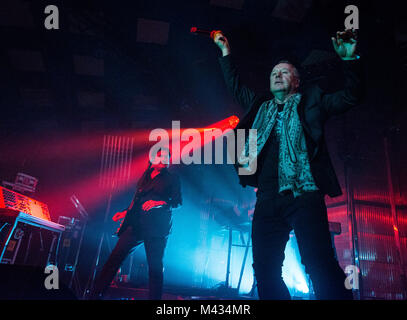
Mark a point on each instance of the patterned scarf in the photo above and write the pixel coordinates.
(294, 172)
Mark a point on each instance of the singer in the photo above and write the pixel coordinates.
(148, 219)
(294, 170)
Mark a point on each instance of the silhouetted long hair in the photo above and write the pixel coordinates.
(145, 177)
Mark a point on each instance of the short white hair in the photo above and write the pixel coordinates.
(296, 73)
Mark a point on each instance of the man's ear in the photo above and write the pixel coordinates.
(297, 83)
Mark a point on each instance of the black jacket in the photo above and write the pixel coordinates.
(156, 222)
(314, 109)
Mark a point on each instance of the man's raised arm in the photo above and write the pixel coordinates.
(243, 95)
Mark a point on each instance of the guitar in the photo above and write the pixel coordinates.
(147, 206)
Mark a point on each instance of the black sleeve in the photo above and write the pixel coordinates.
(352, 93)
(131, 203)
(176, 197)
(242, 94)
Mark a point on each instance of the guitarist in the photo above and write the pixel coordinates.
(148, 219)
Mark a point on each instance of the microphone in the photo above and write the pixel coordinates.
(212, 34)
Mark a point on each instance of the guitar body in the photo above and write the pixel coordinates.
(132, 217)
(157, 221)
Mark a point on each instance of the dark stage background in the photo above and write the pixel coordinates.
(123, 68)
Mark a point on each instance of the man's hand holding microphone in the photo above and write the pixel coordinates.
(222, 42)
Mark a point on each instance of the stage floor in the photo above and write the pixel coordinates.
(125, 292)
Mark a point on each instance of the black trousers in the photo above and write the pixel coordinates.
(274, 217)
(128, 242)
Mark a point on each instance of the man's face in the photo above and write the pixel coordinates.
(283, 79)
(161, 160)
